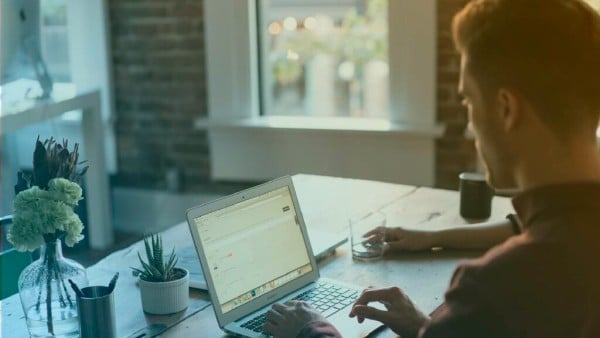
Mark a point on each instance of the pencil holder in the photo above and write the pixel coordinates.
(96, 308)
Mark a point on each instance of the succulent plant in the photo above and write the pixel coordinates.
(156, 269)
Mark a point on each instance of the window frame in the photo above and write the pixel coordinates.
(88, 32)
(232, 59)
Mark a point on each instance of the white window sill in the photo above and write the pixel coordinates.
(325, 124)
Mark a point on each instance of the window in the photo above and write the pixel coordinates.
(234, 63)
(73, 45)
(54, 39)
(248, 143)
(34, 41)
(324, 58)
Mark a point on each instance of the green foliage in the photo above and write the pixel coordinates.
(53, 160)
(358, 38)
(44, 202)
(155, 269)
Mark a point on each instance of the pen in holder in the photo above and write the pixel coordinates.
(96, 309)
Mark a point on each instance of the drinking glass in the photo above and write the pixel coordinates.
(367, 235)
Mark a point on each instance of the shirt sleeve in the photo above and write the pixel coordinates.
(319, 329)
(465, 313)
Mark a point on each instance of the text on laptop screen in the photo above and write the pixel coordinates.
(253, 247)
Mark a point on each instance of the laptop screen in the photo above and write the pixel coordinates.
(253, 247)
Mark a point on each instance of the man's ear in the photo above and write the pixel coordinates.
(508, 107)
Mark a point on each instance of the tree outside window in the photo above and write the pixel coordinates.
(325, 59)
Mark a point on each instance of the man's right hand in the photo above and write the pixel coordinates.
(402, 316)
(400, 239)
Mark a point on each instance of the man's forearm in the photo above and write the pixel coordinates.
(476, 237)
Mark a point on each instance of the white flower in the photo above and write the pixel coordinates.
(39, 212)
(67, 191)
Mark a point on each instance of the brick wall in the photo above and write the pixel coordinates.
(454, 153)
(159, 79)
(159, 84)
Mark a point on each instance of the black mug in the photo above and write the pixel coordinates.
(475, 196)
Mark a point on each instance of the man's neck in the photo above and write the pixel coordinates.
(558, 165)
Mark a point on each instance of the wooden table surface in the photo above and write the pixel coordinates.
(326, 203)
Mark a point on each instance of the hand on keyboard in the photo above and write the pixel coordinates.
(286, 320)
(400, 313)
(319, 302)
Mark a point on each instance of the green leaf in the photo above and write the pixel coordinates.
(40, 165)
(140, 272)
(148, 250)
(151, 271)
(171, 262)
(156, 269)
(157, 253)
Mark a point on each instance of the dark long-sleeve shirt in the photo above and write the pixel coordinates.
(544, 282)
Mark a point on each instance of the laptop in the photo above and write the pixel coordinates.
(254, 249)
(323, 244)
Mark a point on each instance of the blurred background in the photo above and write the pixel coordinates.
(202, 98)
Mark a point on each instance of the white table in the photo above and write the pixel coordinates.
(17, 112)
(326, 203)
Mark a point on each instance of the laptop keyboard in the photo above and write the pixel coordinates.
(325, 297)
(256, 324)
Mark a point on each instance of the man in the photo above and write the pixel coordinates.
(530, 77)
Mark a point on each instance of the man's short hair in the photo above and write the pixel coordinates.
(548, 51)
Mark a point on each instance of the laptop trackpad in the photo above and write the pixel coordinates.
(349, 327)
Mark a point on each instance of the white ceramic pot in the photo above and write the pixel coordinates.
(161, 298)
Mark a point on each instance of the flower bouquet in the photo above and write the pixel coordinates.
(43, 217)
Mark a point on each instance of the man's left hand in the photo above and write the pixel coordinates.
(286, 320)
(401, 314)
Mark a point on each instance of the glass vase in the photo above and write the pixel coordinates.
(48, 300)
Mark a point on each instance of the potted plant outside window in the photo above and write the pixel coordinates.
(164, 287)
